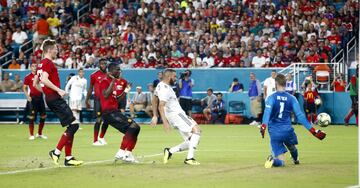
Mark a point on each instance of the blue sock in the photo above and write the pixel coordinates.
(294, 154)
(278, 162)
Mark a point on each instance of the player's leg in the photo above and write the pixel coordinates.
(181, 147)
(277, 159)
(294, 153)
(42, 113)
(31, 117)
(65, 115)
(193, 143)
(97, 115)
(104, 128)
(206, 113)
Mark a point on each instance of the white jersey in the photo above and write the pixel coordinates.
(165, 93)
(76, 87)
(270, 86)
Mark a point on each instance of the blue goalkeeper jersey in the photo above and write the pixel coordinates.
(277, 114)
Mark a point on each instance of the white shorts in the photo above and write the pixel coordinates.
(75, 104)
(182, 122)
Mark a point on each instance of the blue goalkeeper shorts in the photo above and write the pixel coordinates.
(278, 143)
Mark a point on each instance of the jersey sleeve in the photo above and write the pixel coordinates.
(163, 93)
(46, 67)
(26, 81)
(299, 114)
(268, 108)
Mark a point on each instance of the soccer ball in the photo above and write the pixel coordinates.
(323, 119)
(317, 101)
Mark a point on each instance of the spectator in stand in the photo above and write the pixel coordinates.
(158, 80)
(236, 87)
(42, 29)
(14, 64)
(208, 101)
(290, 86)
(339, 83)
(18, 84)
(19, 37)
(255, 99)
(54, 24)
(149, 96)
(218, 112)
(138, 102)
(186, 83)
(6, 84)
(269, 85)
(258, 61)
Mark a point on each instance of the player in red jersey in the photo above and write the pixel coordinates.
(48, 76)
(95, 80)
(110, 114)
(36, 102)
(120, 85)
(309, 100)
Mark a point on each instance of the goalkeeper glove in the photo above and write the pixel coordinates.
(262, 130)
(318, 133)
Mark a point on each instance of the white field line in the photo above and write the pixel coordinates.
(85, 164)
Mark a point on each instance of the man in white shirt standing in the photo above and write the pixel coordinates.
(18, 38)
(269, 85)
(172, 114)
(76, 88)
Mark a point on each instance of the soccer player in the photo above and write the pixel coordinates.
(95, 80)
(309, 100)
(172, 114)
(76, 88)
(354, 92)
(48, 75)
(122, 84)
(109, 99)
(36, 104)
(278, 108)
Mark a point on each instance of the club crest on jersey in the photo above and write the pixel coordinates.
(119, 87)
(99, 77)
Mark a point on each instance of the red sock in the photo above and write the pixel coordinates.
(125, 141)
(315, 117)
(62, 141)
(348, 116)
(68, 146)
(41, 126)
(31, 127)
(102, 133)
(131, 144)
(96, 134)
(356, 121)
(309, 118)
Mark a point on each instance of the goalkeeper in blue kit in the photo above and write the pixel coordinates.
(277, 117)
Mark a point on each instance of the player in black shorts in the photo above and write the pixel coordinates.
(48, 76)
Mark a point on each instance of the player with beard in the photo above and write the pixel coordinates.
(95, 80)
(172, 114)
(48, 76)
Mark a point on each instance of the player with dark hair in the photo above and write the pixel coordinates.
(36, 104)
(309, 102)
(48, 75)
(111, 95)
(172, 114)
(95, 80)
(277, 117)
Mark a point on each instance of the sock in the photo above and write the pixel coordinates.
(41, 126)
(314, 117)
(278, 162)
(194, 141)
(294, 153)
(68, 146)
(57, 152)
(62, 141)
(356, 118)
(31, 127)
(104, 128)
(76, 115)
(309, 118)
(181, 147)
(131, 144)
(348, 116)
(125, 141)
(96, 131)
(68, 157)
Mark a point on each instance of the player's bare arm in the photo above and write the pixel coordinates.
(89, 92)
(25, 89)
(154, 104)
(36, 83)
(45, 80)
(108, 91)
(166, 124)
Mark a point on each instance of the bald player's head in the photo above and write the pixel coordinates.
(169, 76)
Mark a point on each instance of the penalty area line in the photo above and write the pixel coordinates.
(85, 164)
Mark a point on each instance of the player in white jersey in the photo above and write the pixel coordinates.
(269, 85)
(76, 88)
(172, 114)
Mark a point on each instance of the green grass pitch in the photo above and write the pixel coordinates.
(230, 156)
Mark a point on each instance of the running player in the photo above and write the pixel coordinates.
(277, 117)
(48, 75)
(172, 114)
(36, 103)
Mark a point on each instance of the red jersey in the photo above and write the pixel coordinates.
(95, 80)
(309, 96)
(46, 65)
(119, 86)
(28, 81)
(139, 64)
(338, 87)
(109, 104)
(186, 61)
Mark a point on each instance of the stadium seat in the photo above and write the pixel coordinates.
(237, 107)
(323, 78)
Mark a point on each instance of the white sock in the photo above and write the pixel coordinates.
(57, 152)
(194, 141)
(181, 147)
(76, 115)
(68, 157)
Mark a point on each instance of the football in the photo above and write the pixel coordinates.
(323, 119)
(317, 101)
